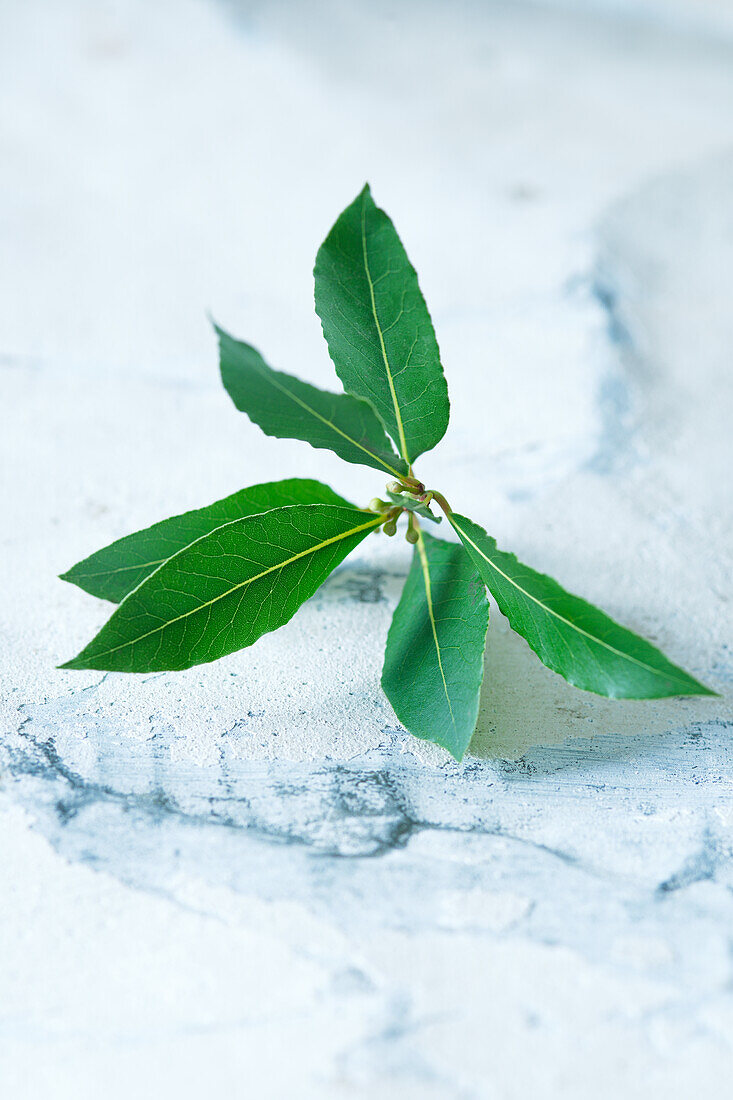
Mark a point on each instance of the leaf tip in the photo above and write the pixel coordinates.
(696, 687)
(703, 689)
(365, 196)
(79, 662)
(76, 577)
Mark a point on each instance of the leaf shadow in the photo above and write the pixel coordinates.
(524, 705)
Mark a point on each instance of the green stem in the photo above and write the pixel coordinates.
(443, 503)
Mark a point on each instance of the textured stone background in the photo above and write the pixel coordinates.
(247, 879)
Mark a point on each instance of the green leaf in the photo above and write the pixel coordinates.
(378, 328)
(412, 505)
(114, 571)
(570, 635)
(434, 662)
(285, 407)
(228, 588)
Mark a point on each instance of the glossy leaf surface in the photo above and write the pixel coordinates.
(288, 408)
(434, 661)
(569, 635)
(114, 571)
(228, 588)
(378, 328)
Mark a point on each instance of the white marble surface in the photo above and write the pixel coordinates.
(247, 879)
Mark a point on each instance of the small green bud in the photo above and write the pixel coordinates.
(396, 487)
(411, 535)
(390, 527)
(377, 505)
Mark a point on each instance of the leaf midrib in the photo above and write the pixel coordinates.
(241, 584)
(557, 615)
(429, 599)
(330, 424)
(128, 568)
(395, 403)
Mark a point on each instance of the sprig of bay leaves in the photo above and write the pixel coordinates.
(198, 586)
